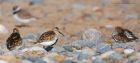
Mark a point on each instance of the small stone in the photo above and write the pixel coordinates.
(109, 26)
(26, 61)
(116, 56)
(121, 45)
(88, 51)
(102, 48)
(36, 60)
(3, 29)
(93, 35)
(34, 51)
(82, 56)
(78, 44)
(58, 49)
(97, 60)
(59, 58)
(68, 48)
(69, 61)
(128, 51)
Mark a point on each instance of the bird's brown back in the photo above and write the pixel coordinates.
(47, 36)
(24, 14)
(13, 41)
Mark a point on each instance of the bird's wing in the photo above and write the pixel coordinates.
(24, 14)
(47, 36)
(13, 41)
(129, 34)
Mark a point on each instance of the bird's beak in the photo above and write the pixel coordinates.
(61, 33)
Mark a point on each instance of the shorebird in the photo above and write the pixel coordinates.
(22, 16)
(49, 38)
(123, 35)
(14, 40)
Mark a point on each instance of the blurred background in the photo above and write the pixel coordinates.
(72, 16)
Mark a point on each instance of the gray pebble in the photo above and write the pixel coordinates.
(102, 48)
(69, 61)
(26, 61)
(98, 60)
(116, 56)
(36, 60)
(82, 56)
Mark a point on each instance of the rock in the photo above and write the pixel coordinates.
(58, 49)
(34, 51)
(97, 60)
(93, 35)
(68, 48)
(109, 26)
(59, 58)
(69, 61)
(36, 60)
(49, 57)
(88, 51)
(116, 56)
(82, 56)
(102, 48)
(78, 44)
(3, 29)
(128, 51)
(26, 61)
(122, 45)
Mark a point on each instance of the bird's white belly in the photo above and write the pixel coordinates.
(20, 20)
(48, 43)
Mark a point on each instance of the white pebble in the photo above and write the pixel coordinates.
(3, 29)
(109, 26)
(128, 51)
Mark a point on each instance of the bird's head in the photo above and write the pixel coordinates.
(56, 29)
(15, 30)
(119, 29)
(16, 9)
